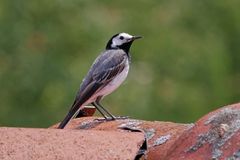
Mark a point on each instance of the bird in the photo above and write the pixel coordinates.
(106, 74)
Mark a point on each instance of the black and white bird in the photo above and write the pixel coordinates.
(106, 74)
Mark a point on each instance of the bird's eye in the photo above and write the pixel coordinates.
(121, 37)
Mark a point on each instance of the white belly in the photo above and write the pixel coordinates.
(115, 83)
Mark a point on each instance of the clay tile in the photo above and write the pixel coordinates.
(214, 136)
(50, 144)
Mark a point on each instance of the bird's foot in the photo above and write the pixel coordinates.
(112, 118)
(121, 117)
(106, 119)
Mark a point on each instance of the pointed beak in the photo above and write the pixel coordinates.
(136, 37)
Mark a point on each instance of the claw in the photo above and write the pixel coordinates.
(112, 118)
(121, 117)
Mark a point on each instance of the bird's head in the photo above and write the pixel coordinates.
(121, 41)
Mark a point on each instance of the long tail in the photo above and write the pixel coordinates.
(85, 95)
(74, 110)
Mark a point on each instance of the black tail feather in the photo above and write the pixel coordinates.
(87, 93)
(68, 117)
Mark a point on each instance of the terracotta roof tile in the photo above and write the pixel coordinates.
(55, 144)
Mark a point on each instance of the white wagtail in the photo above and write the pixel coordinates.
(106, 74)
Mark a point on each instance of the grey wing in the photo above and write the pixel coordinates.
(104, 69)
(111, 66)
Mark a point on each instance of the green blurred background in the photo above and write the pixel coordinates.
(187, 64)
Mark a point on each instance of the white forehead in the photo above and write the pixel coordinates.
(126, 35)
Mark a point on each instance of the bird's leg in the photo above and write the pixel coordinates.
(99, 110)
(111, 116)
(106, 111)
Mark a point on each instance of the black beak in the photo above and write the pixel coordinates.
(136, 37)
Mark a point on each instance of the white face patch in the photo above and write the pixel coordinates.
(121, 39)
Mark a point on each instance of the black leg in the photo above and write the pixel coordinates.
(112, 116)
(99, 110)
